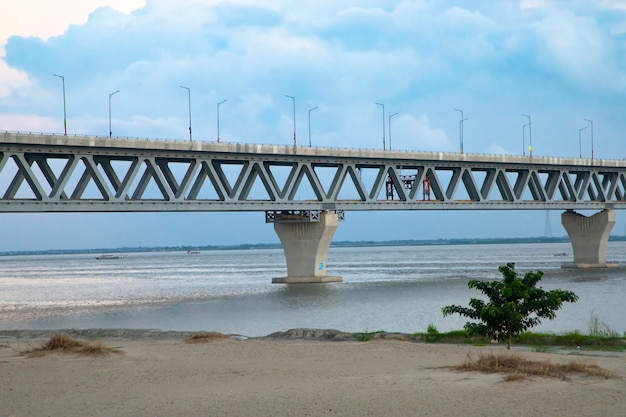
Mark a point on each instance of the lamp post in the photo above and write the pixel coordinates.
(461, 125)
(390, 116)
(580, 148)
(293, 99)
(64, 114)
(218, 119)
(188, 95)
(310, 110)
(111, 95)
(530, 136)
(524, 139)
(383, 107)
(591, 123)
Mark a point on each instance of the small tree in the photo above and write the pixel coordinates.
(515, 305)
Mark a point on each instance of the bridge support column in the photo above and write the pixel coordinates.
(589, 237)
(306, 245)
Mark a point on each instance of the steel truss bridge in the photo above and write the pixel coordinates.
(52, 173)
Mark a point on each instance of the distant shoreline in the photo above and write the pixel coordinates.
(360, 243)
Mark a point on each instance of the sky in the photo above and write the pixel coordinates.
(559, 62)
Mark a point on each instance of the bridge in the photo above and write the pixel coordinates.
(304, 191)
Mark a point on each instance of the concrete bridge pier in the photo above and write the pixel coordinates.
(589, 237)
(305, 237)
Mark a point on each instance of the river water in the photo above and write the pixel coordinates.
(393, 288)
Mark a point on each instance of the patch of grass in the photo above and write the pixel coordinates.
(398, 336)
(541, 349)
(366, 336)
(516, 367)
(206, 337)
(571, 340)
(599, 328)
(432, 334)
(66, 344)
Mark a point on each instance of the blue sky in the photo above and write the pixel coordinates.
(559, 61)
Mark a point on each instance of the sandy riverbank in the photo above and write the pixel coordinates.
(268, 377)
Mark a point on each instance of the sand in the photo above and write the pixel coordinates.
(264, 377)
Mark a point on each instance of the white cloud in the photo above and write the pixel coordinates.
(30, 123)
(576, 47)
(11, 79)
(535, 4)
(612, 4)
(43, 18)
(497, 149)
(416, 133)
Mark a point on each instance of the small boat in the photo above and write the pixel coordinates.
(560, 254)
(192, 252)
(109, 257)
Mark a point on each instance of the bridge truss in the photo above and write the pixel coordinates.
(40, 173)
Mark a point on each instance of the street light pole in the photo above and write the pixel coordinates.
(189, 95)
(64, 114)
(390, 116)
(293, 99)
(218, 119)
(530, 135)
(383, 107)
(111, 95)
(591, 123)
(310, 110)
(580, 147)
(461, 125)
(524, 139)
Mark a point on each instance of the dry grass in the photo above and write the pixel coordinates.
(517, 367)
(206, 337)
(64, 343)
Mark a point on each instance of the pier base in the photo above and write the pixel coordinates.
(589, 237)
(306, 245)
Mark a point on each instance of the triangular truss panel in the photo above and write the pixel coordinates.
(395, 185)
(609, 182)
(327, 176)
(149, 183)
(48, 171)
(257, 186)
(620, 188)
(12, 184)
(460, 184)
(348, 185)
(580, 183)
(374, 181)
(120, 173)
(231, 174)
(177, 173)
(412, 178)
(90, 184)
(280, 174)
(305, 185)
(484, 180)
(206, 186)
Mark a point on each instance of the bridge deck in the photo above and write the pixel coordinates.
(138, 144)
